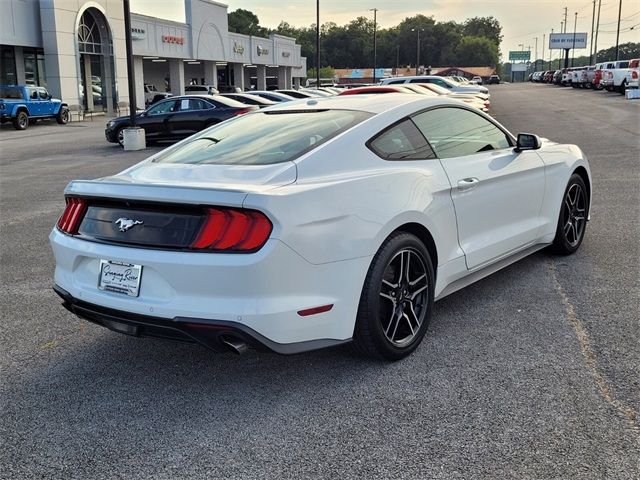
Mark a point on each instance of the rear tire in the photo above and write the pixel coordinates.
(21, 121)
(623, 87)
(397, 299)
(63, 116)
(572, 221)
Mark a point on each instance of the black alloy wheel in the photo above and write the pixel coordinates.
(397, 299)
(572, 222)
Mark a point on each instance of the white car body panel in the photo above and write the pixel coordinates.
(331, 210)
(509, 185)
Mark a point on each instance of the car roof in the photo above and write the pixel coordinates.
(230, 102)
(371, 103)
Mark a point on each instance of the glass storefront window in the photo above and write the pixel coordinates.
(7, 66)
(34, 73)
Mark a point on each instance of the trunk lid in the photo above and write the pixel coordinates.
(225, 185)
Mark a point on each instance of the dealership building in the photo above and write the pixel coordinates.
(76, 48)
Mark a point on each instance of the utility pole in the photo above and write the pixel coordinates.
(566, 50)
(618, 32)
(317, 43)
(397, 58)
(550, 49)
(573, 47)
(593, 19)
(417, 49)
(535, 62)
(595, 45)
(560, 54)
(543, 39)
(375, 45)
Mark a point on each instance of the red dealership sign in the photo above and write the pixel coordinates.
(172, 39)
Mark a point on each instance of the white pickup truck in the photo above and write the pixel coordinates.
(620, 76)
(150, 91)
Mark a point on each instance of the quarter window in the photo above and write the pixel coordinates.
(456, 132)
(402, 141)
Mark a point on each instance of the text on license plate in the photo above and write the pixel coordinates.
(120, 277)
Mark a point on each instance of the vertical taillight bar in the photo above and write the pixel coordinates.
(72, 216)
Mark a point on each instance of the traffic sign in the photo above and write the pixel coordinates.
(520, 55)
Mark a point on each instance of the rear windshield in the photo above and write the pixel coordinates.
(13, 93)
(263, 138)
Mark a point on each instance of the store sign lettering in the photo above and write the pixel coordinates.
(286, 54)
(138, 33)
(238, 48)
(172, 39)
(262, 50)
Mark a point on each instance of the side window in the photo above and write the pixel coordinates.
(442, 83)
(197, 104)
(456, 132)
(402, 141)
(162, 107)
(395, 82)
(43, 93)
(33, 94)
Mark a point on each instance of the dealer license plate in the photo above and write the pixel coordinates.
(120, 277)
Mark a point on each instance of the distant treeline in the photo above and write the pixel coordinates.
(474, 42)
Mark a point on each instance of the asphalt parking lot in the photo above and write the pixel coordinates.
(530, 373)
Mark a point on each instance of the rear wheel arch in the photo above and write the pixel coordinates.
(585, 178)
(424, 235)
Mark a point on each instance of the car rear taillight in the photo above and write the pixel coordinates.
(634, 75)
(233, 230)
(242, 111)
(72, 216)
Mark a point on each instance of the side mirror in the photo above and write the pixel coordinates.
(528, 141)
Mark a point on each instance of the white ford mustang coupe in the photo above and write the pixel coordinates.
(315, 223)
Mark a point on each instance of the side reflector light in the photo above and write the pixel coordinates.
(233, 230)
(315, 310)
(72, 216)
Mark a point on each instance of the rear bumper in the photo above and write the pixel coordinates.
(263, 291)
(209, 333)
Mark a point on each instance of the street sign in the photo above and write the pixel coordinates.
(520, 55)
(566, 41)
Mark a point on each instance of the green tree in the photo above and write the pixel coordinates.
(245, 22)
(487, 27)
(477, 52)
(325, 72)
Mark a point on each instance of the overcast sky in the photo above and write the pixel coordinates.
(521, 21)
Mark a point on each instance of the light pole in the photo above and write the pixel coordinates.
(535, 62)
(595, 42)
(618, 32)
(317, 43)
(573, 47)
(418, 47)
(375, 45)
(593, 21)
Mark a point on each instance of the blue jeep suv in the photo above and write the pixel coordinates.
(21, 103)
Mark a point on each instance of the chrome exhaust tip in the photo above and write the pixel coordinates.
(234, 345)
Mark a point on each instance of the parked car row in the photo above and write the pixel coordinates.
(178, 117)
(615, 76)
